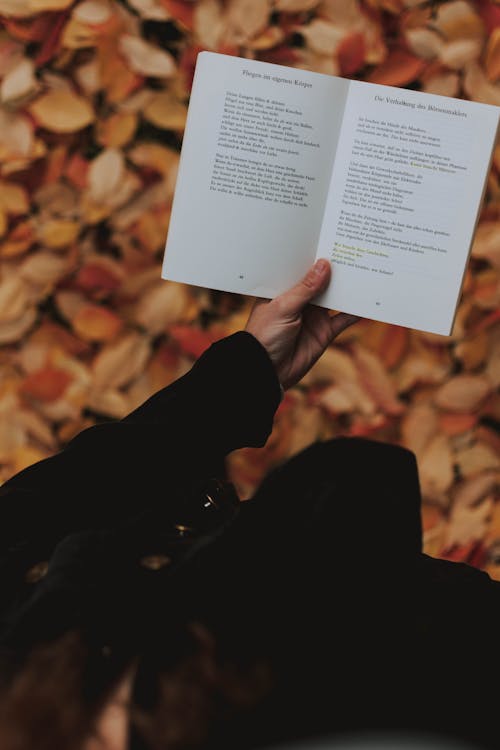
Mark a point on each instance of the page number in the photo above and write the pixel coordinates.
(378, 303)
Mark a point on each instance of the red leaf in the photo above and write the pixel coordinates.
(46, 384)
(490, 14)
(182, 11)
(50, 42)
(192, 341)
(76, 171)
(351, 53)
(94, 277)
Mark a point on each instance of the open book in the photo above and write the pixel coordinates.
(281, 166)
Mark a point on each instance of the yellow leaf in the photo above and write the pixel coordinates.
(165, 112)
(62, 111)
(14, 198)
(57, 233)
(117, 130)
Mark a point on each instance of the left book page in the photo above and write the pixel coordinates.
(254, 172)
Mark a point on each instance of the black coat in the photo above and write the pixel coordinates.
(322, 571)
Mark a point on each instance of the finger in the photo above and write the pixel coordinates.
(341, 321)
(315, 281)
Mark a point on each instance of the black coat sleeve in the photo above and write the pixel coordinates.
(178, 437)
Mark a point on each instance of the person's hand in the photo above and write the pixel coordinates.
(295, 333)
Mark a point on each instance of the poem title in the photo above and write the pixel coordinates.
(277, 79)
(413, 105)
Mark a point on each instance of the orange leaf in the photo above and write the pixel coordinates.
(46, 384)
(394, 345)
(117, 130)
(182, 11)
(398, 69)
(192, 340)
(76, 171)
(96, 323)
(62, 111)
(95, 278)
(456, 424)
(351, 53)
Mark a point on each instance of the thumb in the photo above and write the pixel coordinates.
(316, 280)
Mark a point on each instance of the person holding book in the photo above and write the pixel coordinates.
(128, 563)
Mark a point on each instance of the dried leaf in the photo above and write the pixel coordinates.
(322, 36)
(58, 233)
(150, 9)
(163, 305)
(14, 198)
(117, 130)
(46, 384)
(458, 20)
(62, 111)
(165, 112)
(119, 363)
(295, 6)
(399, 69)
(376, 381)
(19, 82)
(475, 459)
(436, 468)
(424, 43)
(44, 268)
(478, 88)
(145, 58)
(93, 12)
(105, 174)
(492, 60)
(351, 53)
(456, 424)
(246, 18)
(418, 426)
(456, 55)
(96, 323)
(462, 393)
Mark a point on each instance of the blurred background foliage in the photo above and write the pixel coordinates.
(93, 100)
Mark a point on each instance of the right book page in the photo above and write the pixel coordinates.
(402, 206)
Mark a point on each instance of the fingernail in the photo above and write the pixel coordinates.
(320, 267)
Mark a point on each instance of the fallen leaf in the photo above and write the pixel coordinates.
(418, 426)
(436, 468)
(62, 111)
(165, 112)
(351, 53)
(462, 393)
(376, 381)
(399, 69)
(145, 58)
(58, 233)
(46, 384)
(93, 12)
(19, 81)
(117, 130)
(120, 362)
(96, 323)
(475, 459)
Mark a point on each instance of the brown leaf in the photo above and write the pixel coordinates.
(14, 198)
(145, 58)
(46, 384)
(457, 424)
(462, 393)
(456, 55)
(295, 6)
(14, 329)
(475, 490)
(120, 362)
(424, 42)
(492, 58)
(467, 524)
(351, 53)
(105, 174)
(418, 426)
(458, 20)
(436, 468)
(96, 323)
(478, 88)
(399, 69)
(476, 458)
(19, 82)
(162, 305)
(62, 111)
(44, 268)
(376, 381)
(246, 19)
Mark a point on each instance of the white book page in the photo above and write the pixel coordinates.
(405, 192)
(254, 172)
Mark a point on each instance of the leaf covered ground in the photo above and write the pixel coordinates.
(93, 99)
